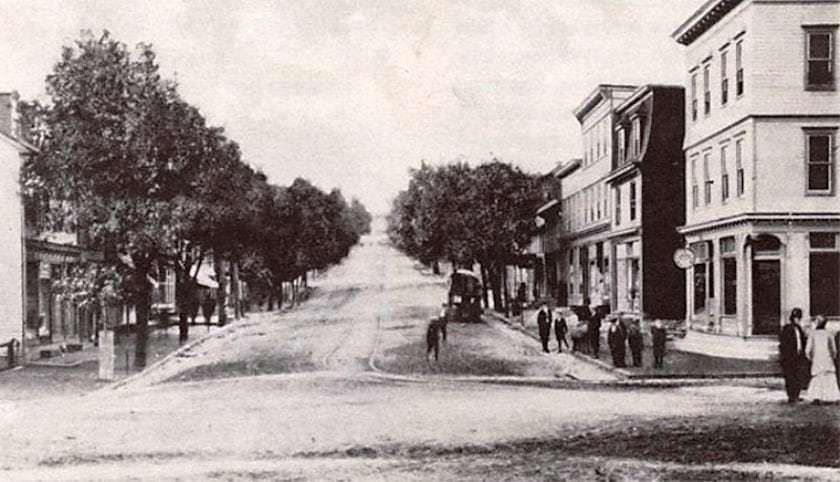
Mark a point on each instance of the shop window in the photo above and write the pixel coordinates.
(699, 288)
(824, 273)
(730, 286)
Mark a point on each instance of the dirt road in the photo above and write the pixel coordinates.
(338, 389)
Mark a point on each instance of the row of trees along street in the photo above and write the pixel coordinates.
(136, 170)
(467, 215)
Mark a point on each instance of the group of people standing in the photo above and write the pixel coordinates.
(587, 332)
(810, 360)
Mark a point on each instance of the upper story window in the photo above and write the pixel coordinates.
(632, 201)
(724, 175)
(819, 62)
(739, 168)
(618, 205)
(695, 194)
(819, 159)
(694, 96)
(621, 144)
(707, 92)
(707, 180)
(637, 136)
(724, 79)
(739, 68)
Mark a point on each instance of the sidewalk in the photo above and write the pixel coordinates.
(678, 364)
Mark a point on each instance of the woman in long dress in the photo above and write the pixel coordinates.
(821, 350)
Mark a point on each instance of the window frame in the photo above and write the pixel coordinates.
(831, 60)
(707, 88)
(708, 182)
(632, 197)
(694, 95)
(618, 205)
(724, 79)
(724, 174)
(740, 182)
(830, 133)
(739, 68)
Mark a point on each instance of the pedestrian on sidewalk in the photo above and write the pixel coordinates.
(560, 330)
(822, 351)
(616, 339)
(594, 316)
(544, 325)
(447, 314)
(792, 356)
(636, 341)
(433, 339)
(658, 335)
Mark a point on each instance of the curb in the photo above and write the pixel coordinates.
(630, 376)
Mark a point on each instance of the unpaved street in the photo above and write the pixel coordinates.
(338, 389)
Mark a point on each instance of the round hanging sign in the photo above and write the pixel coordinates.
(683, 258)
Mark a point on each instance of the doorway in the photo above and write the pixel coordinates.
(766, 300)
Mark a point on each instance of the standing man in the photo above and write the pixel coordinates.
(658, 335)
(792, 355)
(636, 341)
(616, 338)
(560, 330)
(544, 324)
(594, 329)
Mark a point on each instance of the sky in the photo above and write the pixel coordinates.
(352, 94)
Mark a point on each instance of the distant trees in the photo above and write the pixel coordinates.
(466, 215)
(131, 165)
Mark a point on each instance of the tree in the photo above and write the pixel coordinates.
(466, 215)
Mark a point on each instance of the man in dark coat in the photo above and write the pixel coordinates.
(792, 356)
(636, 341)
(658, 336)
(593, 322)
(544, 325)
(560, 330)
(616, 339)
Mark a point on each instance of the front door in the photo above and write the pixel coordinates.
(766, 302)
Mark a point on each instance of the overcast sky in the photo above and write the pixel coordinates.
(352, 94)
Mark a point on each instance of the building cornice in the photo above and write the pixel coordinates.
(703, 19)
(772, 217)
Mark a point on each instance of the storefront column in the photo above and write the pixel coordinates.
(743, 299)
(748, 311)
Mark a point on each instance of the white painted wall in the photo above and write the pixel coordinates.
(11, 239)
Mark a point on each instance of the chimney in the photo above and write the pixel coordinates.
(9, 118)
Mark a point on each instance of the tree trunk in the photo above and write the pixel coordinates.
(485, 284)
(234, 291)
(280, 295)
(143, 308)
(221, 294)
(496, 280)
(435, 267)
(506, 295)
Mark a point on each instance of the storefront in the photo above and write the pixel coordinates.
(746, 277)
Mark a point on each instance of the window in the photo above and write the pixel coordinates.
(632, 201)
(819, 145)
(707, 181)
(621, 143)
(724, 175)
(637, 136)
(695, 194)
(618, 205)
(739, 68)
(724, 80)
(598, 202)
(824, 273)
(730, 276)
(819, 62)
(739, 168)
(694, 96)
(707, 93)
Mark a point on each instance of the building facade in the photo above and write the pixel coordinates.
(646, 187)
(762, 204)
(585, 246)
(12, 155)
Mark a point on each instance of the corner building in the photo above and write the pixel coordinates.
(762, 206)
